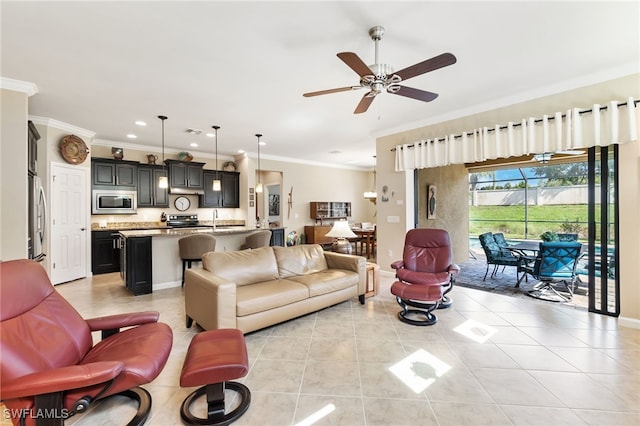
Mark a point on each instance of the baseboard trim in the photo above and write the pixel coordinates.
(629, 322)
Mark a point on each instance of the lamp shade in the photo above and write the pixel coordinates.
(341, 229)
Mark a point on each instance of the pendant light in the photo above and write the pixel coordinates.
(259, 184)
(217, 185)
(372, 195)
(163, 181)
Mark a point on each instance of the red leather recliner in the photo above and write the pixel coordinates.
(49, 367)
(425, 275)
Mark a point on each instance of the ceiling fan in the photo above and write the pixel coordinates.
(382, 77)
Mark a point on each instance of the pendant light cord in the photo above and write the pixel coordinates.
(162, 117)
(216, 131)
(258, 135)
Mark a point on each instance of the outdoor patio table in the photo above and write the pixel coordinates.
(525, 248)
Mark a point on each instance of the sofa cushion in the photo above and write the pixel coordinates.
(328, 281)
(300, 260)
(259, 297)
(242, 267)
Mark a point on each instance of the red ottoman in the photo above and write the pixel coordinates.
(424, 296)
(213, 359)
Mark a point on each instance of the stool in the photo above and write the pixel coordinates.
(214, 357)
(192, 248)
(373, 271)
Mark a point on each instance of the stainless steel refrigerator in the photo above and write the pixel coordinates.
(37, 218)
(37, 202)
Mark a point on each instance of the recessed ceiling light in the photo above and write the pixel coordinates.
(131, 136)
(210, 135)
(241, 151)
(262, 143)
(193, 144)
(140, 123)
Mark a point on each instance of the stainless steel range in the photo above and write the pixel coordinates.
(184, 221)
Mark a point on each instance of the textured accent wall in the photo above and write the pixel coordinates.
(452, 205)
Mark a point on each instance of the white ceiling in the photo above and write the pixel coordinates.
(245, 65)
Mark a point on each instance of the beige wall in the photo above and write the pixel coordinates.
(14, 200)
(629, 188)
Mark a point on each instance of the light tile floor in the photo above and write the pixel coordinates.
(491, 359)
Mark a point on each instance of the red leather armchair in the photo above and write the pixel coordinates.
(49, 367)
(425, 275)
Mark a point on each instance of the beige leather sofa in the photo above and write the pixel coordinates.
(253, 289)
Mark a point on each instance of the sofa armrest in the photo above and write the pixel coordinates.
(209, 299)
(350, 263)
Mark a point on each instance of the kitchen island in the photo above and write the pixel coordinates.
(150, 258)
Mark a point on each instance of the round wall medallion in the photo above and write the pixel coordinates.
(73, 149)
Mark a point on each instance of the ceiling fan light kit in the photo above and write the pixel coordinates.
(380, 77)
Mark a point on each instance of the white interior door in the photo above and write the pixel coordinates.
(68, 223)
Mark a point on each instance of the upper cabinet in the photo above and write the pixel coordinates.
(185, 177)
(149, 194)
(116, 173)
(228, 197)
(320, 210)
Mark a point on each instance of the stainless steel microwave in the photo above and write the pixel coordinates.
(113, 202)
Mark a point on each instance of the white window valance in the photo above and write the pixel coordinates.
(615, 123)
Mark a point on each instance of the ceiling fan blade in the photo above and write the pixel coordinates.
(432, 64)
(355, 63)
(326, 92)
(410, 92)
(363, 106)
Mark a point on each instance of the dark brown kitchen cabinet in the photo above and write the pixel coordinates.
(185, 177)
(149, 194)
(105, 252)
(114, 173)
(135, 268)
(228, 197)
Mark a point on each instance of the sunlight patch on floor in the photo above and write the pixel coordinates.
(419, 370)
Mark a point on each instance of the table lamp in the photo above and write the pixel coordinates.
(341, 232)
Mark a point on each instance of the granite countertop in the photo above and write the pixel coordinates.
(129, 226)
(172, 232)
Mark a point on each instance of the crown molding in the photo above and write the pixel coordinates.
(49, 122)
(153, 148)
(19, 86)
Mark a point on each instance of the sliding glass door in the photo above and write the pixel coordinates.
(602, 251)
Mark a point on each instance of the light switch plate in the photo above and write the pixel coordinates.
(393, 219)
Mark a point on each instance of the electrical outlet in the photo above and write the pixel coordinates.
(393, 219)
(390, 253)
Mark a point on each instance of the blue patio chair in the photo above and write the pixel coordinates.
(556, 262)
(496, 256)
(501, 241)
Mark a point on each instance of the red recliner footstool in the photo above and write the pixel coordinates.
(213, 359)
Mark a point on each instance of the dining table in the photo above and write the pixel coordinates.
(367, 238)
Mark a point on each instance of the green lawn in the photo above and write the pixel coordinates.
(571, 218)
